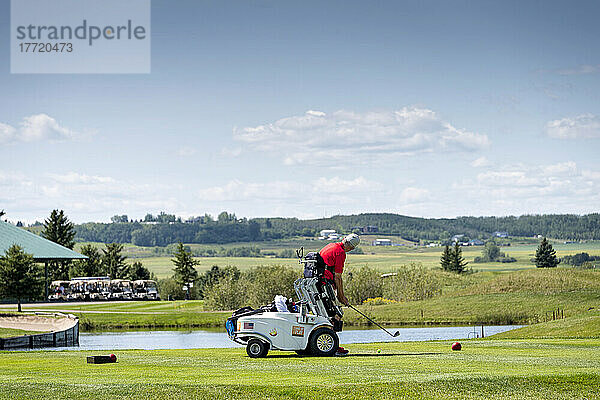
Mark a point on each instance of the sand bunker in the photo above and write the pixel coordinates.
(37, 323)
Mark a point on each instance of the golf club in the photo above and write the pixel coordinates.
(395, 334)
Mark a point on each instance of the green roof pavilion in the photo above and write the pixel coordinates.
(43, 250)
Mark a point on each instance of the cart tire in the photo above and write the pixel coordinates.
(323, 342)
(256, 348)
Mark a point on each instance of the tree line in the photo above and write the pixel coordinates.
(165, 229)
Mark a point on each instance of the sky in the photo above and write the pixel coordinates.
(311, 109)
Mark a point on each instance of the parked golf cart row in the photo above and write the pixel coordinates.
(102, 288)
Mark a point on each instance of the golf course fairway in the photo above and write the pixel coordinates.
(517, 369)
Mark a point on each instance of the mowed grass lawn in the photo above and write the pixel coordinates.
(516, 369)
(384, 258)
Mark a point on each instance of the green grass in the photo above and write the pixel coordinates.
(163, 267)
(384, 258)
(543, 281)
(521, 297)
(103, 321)
(584, 325)
(123, 306)
(518, 369)
(7, 332)
(489, 309)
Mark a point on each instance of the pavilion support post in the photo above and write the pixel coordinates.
(46, 280)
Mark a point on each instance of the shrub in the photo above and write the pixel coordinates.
(579, 259)
(262, 284)
(168, 287)
(227, 294)
(362, 284)
(255, 287)
(412, 282)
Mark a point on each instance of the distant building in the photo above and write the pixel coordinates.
(381, 242)
(326, 232)
(456, 238)
(476, 242)
(500, 234)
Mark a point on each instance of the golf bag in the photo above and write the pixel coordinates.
(314, 266)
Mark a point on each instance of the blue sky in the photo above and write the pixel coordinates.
(311, 109)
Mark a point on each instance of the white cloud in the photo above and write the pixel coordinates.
(339, 185)
(35, 128)
(231, 152)
(236, 190)
(519, 188)
(568, 168)
(480, 162)
(7, 133)
(76, 178)
(329, 188)
(581, 126)
(583, 69)
(325, 139)
(414, 195)
(84, 197)
(186, 151)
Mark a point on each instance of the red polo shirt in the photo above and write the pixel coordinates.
(334, 255)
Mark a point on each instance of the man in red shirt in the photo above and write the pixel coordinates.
(334, 255)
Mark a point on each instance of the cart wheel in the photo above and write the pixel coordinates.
(324, 342)
(256, 348)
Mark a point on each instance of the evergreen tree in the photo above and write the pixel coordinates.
(20, 277)
(137, 271)
(446, 258)
(184, 272)
(545, 255)
(457, 263)
(113, 262)
(58, 229)
(90, 267)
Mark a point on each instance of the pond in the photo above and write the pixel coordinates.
(198, 339)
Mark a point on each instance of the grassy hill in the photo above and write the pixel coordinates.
(384, 258)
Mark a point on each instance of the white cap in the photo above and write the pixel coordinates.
(352, 240)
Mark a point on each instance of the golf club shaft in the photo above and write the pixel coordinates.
(358, 311)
